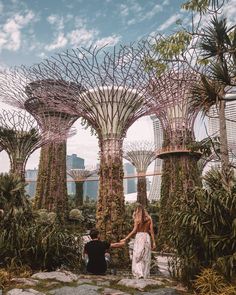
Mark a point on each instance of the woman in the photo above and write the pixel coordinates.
(143, 228)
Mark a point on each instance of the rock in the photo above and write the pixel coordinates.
(84, 281)
(81, 290)
(109, 291)
(161, 291)
(139, 284)
(61, 276)
(24, 292)
(103, 283)
(25, 281)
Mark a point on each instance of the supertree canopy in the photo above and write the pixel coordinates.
(114, 86)
(173, 89)
(140, 154)
(21, 88)
(20, 136)
(79, 176)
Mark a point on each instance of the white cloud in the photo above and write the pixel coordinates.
(57, 21)
(156, 9)
(81, 37)
(10, 35)
(170, 21)
(110, 41)
(124, 10)
(60, 42)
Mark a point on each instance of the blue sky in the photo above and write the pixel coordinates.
(33, 29)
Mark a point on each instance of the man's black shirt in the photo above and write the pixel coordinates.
(96, 253)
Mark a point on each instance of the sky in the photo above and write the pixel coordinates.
(31, 30)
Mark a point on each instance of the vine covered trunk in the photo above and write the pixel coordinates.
(51, 190)
(142, 190)
(18, 168)
(110, 207)
(79, 192)
(180, 175)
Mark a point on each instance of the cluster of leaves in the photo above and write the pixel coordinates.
(25, 240)
(206, 229)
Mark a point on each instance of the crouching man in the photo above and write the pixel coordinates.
(96, 250)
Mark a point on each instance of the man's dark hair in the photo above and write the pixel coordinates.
(94, 233)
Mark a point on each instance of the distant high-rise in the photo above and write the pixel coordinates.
(213, 125)
(31, 175)
(155, 190)
(129, 183)
(73, 162)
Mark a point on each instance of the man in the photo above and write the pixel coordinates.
(96, 251)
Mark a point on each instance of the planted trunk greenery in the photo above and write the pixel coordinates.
(79, 193)
(142, 190)
(180, 174)
(51, 190)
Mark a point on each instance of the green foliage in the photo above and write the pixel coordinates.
(205, 233)
(12, 192)
(201, 6)
(35, 244)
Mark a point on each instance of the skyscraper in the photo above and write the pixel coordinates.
(213, 126)
(155, 190)
(31, 175)
(129, 183)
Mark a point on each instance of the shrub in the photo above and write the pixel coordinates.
(210, 282)
(206, 229)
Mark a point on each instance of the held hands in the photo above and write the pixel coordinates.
(123, 241)
(153, 246)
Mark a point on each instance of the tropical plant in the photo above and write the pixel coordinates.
(37, 245)
(209, 282)
(206, 228)
(12, 192)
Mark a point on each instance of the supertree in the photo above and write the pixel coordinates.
(173, 89)
(19, 88)
(79, 176)
(20, 136)
(140, 154)
(115, 86)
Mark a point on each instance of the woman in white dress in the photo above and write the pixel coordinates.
(143, 228)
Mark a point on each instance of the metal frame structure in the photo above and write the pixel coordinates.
(79, 176)
(114, 86)
(140, 154)
(171, 93)
(20, 136)
(21, 88)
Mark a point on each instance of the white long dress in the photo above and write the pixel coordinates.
(141, 255)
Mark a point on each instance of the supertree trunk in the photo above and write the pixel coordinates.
(180, 174)
(51, 191)
(142, 190)
(17, 168)
(140, 154)
(110, 207)
(79, 192)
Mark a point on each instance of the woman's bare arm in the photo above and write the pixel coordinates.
(152, 234)
(134, 230)
(117, 245)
